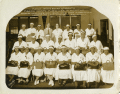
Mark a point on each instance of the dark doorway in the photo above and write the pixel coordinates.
(44, 20)
(104, 32)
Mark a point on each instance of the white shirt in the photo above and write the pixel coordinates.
(57, 33)
(30, 30)
(31, 45)
(95, 57)
(23, 44)
(108, 57)
(79, 32)
(41, 33)
(40, 57)
(83, 43)
(27, 57)
(57, 45)
(23, 33)
(77, 58)
(47, 44)
(65, 34)
(71, 43)
(60, 57)
(98, 45)
(16, 57)
(90, 32)
(52, 57)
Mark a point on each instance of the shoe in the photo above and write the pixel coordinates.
(49, 83)
(35, 83)
(52, 83)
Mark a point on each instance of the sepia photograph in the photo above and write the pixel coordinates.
(60, 46)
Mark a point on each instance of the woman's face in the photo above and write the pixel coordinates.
(39, 50)
(95, 38)
(63, 49)
(92, 50)
(16, 49)
(51, 50)
(77, 51)
(27, 50)
(48, 25)
(106, 52)
(78, 26)
(23, 27)
(57, 26)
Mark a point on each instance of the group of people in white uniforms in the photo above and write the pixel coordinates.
(63, 47)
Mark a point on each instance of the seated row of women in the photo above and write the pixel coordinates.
(88, 68)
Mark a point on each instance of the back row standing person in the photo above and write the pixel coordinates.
(90, 32)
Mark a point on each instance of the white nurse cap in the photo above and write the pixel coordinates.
(77, 24)
(93, 36)
(67, 25)
(77, 48)
(106, 48)
(91, 46)
(32, 23)
(89, 24)
(39, 25)
(23, 25)
(51, 46)
(19, 36)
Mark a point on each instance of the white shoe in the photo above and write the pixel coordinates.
(49, 83)
(52, 83)
(35, 83)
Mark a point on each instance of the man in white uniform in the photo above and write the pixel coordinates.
(90, 31)
(70, 43)
(19, 43)
(39, 33)
(57, 32)
(97, 44)
(77, 32)
(65, 32)
(83, 42)
(23, 31)
(31, 31)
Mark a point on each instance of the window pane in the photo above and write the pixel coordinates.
(65, 20)
(34, 20)
(23, 20)
(53, 21)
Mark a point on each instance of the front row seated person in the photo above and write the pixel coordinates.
(13, 63)
(19, 43)
(79, 72)
(83, 43)
(107, 70)
(63, 71)
(38, 64)
(25, 66)
(93, 60)
(50, 65)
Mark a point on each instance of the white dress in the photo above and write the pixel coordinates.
(93, 74)
(107, 75)
(79, 32)
(23, 44)
(23, 33)
(78, 75)
(41, 33)
(40, 57)
(71, 43)
(64, 73)
(98, 45)
(57, 33)
(48, 57)
(90, 32)
(47, 44)
(14, 70)
(31, 45)
(65, 34)
(83, 43)
(25, 72)
(31, 30)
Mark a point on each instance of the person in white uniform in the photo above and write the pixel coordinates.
(107, 75)
(23, 31)
(19, 43)
(39, 33)
(57, 32)
(79, 76)
(77, 31)
(65, 32)
(31, 31)
(62, 75)
(47, 42)
(58, 45)
(70, 43)
(12, 71)
(33, 44)
(24, 72)
(83, 43)
(38, 64)
(90, 32)
(97, 44)
(93, 60)
(50, 65)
